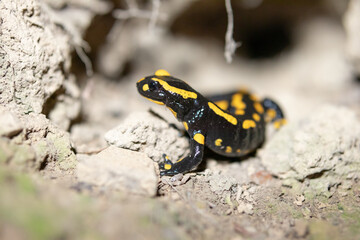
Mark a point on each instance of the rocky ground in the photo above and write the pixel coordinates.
(79, 147)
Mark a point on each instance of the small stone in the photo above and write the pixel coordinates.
(147, 133)
(247, 196)
(88, 138)
(175, 196)
(306, 212)
(211, 205)
(120, 169)
(299, 200)
(252, 189)
(176, 180)
(343, 193)
(177, 177)
(245, 208)
(220, 183)
(185, 178)
(239, 193)
(165, 180)
(228, 212)
(261, 177)
(9, 124)
(322, 205)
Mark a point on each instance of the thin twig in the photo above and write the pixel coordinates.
(134, 12)
(230, 44)
(85, 59)
(91, 152)
(154, 15)
(88, 89)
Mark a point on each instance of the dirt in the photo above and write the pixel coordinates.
(79, 152)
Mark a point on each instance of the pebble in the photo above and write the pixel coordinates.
(119, 169)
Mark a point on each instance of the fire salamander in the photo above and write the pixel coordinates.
(231, 124)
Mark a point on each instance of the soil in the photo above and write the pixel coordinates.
(302, 183)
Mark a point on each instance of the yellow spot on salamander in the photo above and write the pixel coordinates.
(141, 80)
(254, 98)
(218, 142)
(279, 123)
(223, 104)
(243, 90)
(162, 72)
(199, 138)
(237, 101)
(186, 126)
(145, 87)
(184, 93)
(256, 117)
(258, 107)
(238, 150)
(157, 102)
(270, 115)
(228, 149)
(167, 166)
(231, 119)
(248, 124)
(180, 160)
(173, 112)
(239, 112)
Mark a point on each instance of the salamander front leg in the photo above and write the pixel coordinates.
(185, 164)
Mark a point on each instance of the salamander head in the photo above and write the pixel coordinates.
(162, 88)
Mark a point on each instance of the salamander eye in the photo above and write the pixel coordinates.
(153, 86)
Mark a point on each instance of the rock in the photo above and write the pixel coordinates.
(145, 132)
(324, 148)
(220, 183)
(251, 170)
(120, 169)
(35, 61)
(59, 147)
(38, 144)
(9, 123)
(50, 143)
(299, 200)
(88, 138)
(246, 192)
(245, 208)
(22, 156)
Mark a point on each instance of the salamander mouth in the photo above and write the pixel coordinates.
(151, 96)
(154, 98)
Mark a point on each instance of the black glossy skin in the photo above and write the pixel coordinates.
(201, 119)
